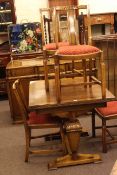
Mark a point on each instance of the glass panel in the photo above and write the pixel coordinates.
(5, 6)
(5, 16)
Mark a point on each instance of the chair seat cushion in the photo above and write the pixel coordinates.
(108, 111)
(35, 118)
(52, 46)
(77, 49)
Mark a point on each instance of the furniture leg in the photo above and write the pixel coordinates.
(57, 80)
(93, 124)
(84, 72)
(72, 129)
(27, 135)
(104, 136)
(46, 71)
(90, 72)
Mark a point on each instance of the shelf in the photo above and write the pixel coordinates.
(5, 23)
(3, 33)
(7, 17)
(5, 11)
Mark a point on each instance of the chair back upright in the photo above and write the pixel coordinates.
(55, 22)
(79, 25)
(72, 26)
(45, 25)
(21, 98)
(89, 37)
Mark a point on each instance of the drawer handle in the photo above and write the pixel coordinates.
(99, 19)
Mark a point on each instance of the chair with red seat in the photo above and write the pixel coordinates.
(82, 52)
(105, 114)
(51, 36)
(33, 121)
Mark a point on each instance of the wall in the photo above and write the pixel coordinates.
(28, 10)
(100, 6)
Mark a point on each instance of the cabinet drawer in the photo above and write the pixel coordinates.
(3, 87)
(100, 19)
(4, 61)
(21, 72)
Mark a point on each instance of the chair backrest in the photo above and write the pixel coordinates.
(51, 22)
(20, 97)
(76, 20)
(78, 23)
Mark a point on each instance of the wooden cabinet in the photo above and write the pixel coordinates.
(53, 3)
(7, 16)
(108, 44)
(103, 18)
(27, 69)
(4, 59)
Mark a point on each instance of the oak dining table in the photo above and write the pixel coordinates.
(76, 99)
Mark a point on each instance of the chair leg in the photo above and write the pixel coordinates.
(73, 69)
(103, 77)
(46, 71)
(57, 80)
(90, 72)
(104, 145)
(84, 72)
(63, 140)
(27, 135)
(93, 124)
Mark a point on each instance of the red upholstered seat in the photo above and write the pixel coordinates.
(105, 114)
(110, 110)
(35, 118)
(52, 46)
(77, 49)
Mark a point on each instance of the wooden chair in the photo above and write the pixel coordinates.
(105, 114)
(33, 121)
(51, 40)
(82, 52)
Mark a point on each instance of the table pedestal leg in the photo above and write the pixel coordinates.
(72, 134)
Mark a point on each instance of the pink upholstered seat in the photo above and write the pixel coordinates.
(35, 118)
(108, 111)
(77, 49)
(52, 46)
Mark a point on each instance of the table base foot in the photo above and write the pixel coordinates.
(67, 161)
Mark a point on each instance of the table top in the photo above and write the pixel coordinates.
(22, 63)
(13, 64)
(72, 98)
